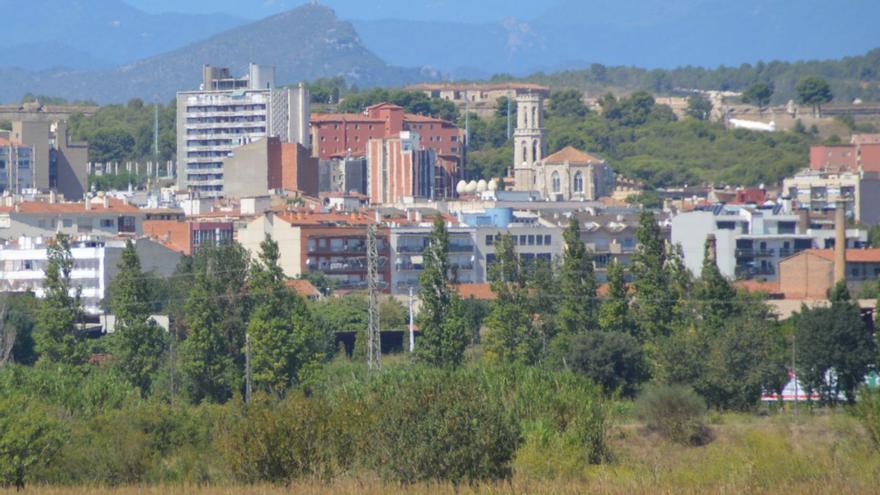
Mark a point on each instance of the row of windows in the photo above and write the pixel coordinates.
(577, 183)
(526, 258)
(523, 240)
(225, 108)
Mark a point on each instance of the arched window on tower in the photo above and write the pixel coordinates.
(534, 116)
(578, 182)
(556, 184)
(535, 151)
(525, 152)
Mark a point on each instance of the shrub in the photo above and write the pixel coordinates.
(29, 438)
(674, 411)
(432, 425)
(613, 360)
(867, 410)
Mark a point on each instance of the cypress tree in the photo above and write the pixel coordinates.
(652, 303)
(614, 314)
(578, 306)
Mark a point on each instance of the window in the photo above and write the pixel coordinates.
(489, 240)
(68, 223)
(556, 184)
(540, 240)
(535, 151)
(106, 223)
(547, 240)
(522, 240)
(531, 240)
(579, 182)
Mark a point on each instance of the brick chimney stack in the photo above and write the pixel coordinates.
(840, 241)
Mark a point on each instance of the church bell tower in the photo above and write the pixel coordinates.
(528, 140)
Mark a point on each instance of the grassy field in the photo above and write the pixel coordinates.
(826, 453)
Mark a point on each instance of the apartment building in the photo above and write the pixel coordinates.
(751, 241)
(343, 175)
(95, 264)
(399, 168)
(16, 165)
(228, 112)
(332, 243)
(99, 217)
(187, 236)
(57, 163)
(268, 164)
(340, 136)
(408, 244)
(817, 191)
(862, 153)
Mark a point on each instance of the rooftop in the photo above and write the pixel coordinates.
(572, 155)
(97, 206)
(871, 255)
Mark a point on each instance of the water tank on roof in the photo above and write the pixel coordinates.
(481, 186)
(461, 187)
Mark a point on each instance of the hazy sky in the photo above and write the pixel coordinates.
(449, 10)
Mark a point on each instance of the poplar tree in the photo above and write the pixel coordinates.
(614, 314)
(443, 327)
(56, 335)
(578, 307)
(286, 342)
(139, 343)
(714, 294)
(652, 303)
(512, 335)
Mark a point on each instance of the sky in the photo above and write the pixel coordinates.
(443, 10)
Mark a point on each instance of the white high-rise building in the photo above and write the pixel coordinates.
(227, 112)
(528, 139)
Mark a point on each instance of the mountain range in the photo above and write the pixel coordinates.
(305, 43)
(111, 50)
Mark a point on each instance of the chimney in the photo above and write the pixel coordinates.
(106, 201)
(53, 197)
(840, 241)
(88, 201)
(711, 249)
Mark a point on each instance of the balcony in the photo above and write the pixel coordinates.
(747, 272)
(755, 253)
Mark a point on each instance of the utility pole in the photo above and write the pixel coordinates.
(794, 369)
(412, 325)
(374, 342)
(247, 368)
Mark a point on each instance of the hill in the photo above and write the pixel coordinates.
(45, 34)
(304, 43)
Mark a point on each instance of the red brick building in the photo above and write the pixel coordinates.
(336, 135)
(862, 153)
(400, 167)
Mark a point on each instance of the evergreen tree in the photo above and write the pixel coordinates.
(653, 304)
(287, 345)
(512, 335)
(714, 292)
(444, 330)
(56, 335)
(614, 314)
(138, 341)
(578, 305)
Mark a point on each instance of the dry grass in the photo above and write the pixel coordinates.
(782, 454)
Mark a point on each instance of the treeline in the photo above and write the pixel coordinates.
(645, 141)
(245, 388)
(119, 133)
(850, 78)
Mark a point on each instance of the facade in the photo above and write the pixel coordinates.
(750, 241)
(230, 112)
(57, 163)
(571, 175)
(479, 98)
(810, 274)
(337, 136)
(818, 191)
(399, 168)
(408, 243)
(862, 154)
(187, 237)
(23, 263)
(269, 164)
(334, 244)
(343, 175)
(99, 217)
(16, 166)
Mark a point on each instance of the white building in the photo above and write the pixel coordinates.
(228, 112)
(23, 263)
(408, 244)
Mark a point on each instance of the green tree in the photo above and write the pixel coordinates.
(18, 317)
(715, 294)
(29, 438)
(286, 344)
(699, 107)
(577, 312)
(57, 338)
(138, 342)
(568, 103)
(444, 332)
(759, 94)
(814, 91)
(835, 348)
(614, 314)
(512, 336)
(652, 302)
(613, 360)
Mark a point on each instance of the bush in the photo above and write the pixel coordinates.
(867, 410)
(29, 438)
(674, 411)
(613, 360)
(432, 425)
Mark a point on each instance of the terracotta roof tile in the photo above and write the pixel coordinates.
(480, 292)
(852, 255)
(303, 287)
(97, 206)
(570, 154)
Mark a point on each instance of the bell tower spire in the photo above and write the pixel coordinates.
(528, 140)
